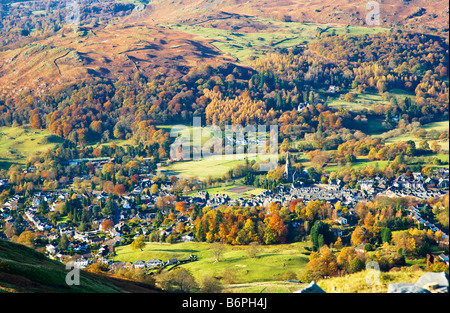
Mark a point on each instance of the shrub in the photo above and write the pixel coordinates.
(289, 275)
(229, 275)
(356, 265)
(211, 284)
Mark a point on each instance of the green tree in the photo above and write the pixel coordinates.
(356, 265)
(109, 207)
(63, 242)
(320, 234)
(386, 234)
(423, 145)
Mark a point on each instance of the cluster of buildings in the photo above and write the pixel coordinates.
(414, 213)
(99, 243)
(151, 264)
(419, 187)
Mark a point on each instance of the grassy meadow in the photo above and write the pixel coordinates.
(244, 45)
(361, 161)
(437, 127)
(270, 264)
(212, 166)
(367, 100)
(18, 143)
(232, 190)
(264, 273)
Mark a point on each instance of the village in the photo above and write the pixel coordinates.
(128, 221)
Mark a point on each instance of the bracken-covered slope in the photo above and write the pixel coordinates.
(421, 15)
(110, 52)
(23, 269)
(113, 41)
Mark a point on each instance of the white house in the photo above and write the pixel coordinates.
(332, 89)
(138, 190)
(50, 248)
(81, 263)
(366, 184)
(360, 248)
(81, 237)
(187, 238)
(171, 262)
(139, 264)
(154, 263)
(126, 205)
(341, 220)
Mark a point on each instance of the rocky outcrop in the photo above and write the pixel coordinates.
(427, 283)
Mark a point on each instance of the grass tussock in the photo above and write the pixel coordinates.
(367, 282)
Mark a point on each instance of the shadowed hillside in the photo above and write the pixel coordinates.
(23, 269)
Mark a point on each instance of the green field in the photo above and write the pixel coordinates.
(361, 161)
(438, 126)
(243, 45)
(230, 190)
(264, 273)
(270, 264)
(18, 143)
(213, 166)
(406, 137)
(264, 287)
(367, 100)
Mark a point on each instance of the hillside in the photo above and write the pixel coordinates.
(106, 52)
(18, 143)
(422, 15)
(270, 264)
(23, 269)
(113, 40)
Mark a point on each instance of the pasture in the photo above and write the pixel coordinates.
(269, 265)
(255, 43)
(18, 143)
(232, 190)
(211, 166)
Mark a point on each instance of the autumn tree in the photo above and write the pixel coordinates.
(321, 264)
(210, 284)
(181, 207)
(338, 243)
(107, 225)
(276, 230)
(26, 238)
(357, 236)
(179, 279)
(119, 189)
(138, 243)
